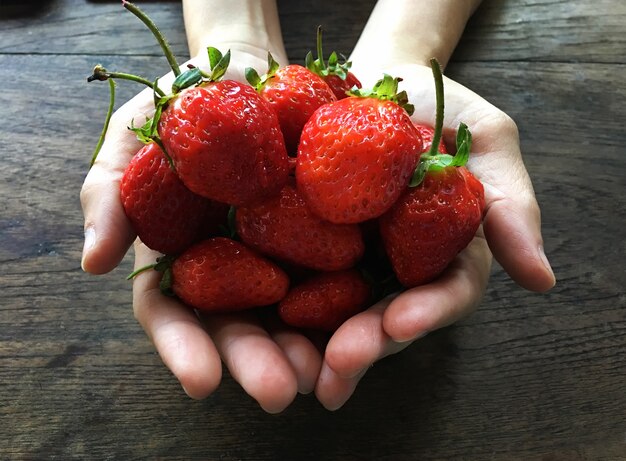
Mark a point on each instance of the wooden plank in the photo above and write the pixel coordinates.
(528, 30)
(525, 377)
(546, 30)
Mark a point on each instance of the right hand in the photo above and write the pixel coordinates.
(270, 361)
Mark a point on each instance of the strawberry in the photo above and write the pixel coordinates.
(439, 214)
(337, 75)
(284, 228)
(294, 93)
(427, 133)
(325, 301)
(220, 274)
(357, 155)
(224, 140)
(166, 215)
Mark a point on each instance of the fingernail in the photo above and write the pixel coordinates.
(90, 241)
(546, 263)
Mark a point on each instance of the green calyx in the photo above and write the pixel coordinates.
(386, 89)
(257, 81)
(163, 264)
(195, 76)
(433, 160)
(322, 68)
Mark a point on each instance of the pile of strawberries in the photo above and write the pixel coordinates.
(299, 190)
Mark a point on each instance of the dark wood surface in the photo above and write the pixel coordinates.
(528, 376)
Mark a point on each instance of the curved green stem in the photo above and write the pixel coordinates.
(136, 272)
(100, 73)
(434, 148)
(106, 123)
(169, 55)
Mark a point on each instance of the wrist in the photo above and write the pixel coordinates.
(248, 26)
(413, 31)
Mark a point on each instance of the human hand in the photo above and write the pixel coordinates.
(510, 230)
(271, 362)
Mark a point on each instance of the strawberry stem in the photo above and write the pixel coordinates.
(162, 264)
(433, 160)
(439, 97)
(101, 74)
(169, 55)
(106, 122)
(136, 272)
(320, 53)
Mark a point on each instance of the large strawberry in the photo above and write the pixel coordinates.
(166, 215)
(220, 275)
(357, 155)
(283, 227)
(225, 141)
(439, 215)
(325, 301)
(294, 92)
(336, 74)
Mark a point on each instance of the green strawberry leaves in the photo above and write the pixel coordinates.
(386, 89)
(321, 67)
(440, 161)
(194, 76)
(258, 81)
(433, 160)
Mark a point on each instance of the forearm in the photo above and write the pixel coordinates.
(248, 25)
(413, 31)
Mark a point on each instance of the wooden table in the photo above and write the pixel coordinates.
(528, 376)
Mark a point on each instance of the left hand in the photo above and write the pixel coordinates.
(511, 230)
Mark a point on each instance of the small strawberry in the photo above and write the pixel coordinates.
(357, 155)
(294, 93)
(166, 215)
(337, 75)
(427, 133)
(439, 214)
(221, 275)
(325, 301)
(284, 228)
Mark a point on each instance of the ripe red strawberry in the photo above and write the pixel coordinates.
(337, 75)
(438, 217)
(224, 139)
(221, 275)
(284, 228)
(325, 301)
(166, 215)
(357, 155)
(294, 93)
(225, 142)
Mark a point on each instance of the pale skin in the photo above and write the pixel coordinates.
(270, 361)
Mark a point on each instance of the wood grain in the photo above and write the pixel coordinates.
(527, 377)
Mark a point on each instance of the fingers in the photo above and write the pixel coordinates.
(303, 356)
(179, 337)
(512, 220)
(254, 360)
(394, 323)
(354, 347)
(449, 298)
(108, 233)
